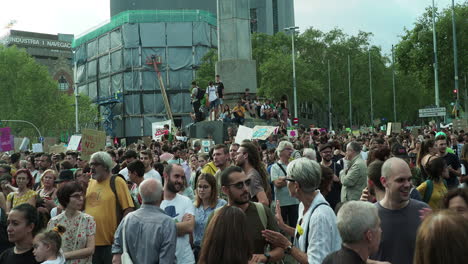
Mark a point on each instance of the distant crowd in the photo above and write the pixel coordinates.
(320, 197)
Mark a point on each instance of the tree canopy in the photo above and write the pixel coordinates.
(29, 93)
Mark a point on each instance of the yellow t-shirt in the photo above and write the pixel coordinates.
(209, 168)
(20, 200)
(100, 204)
(438, 192)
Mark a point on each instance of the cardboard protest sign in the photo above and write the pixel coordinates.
(6, 143)
(262, 132)
(393, 128)
(93, 141)
(74, 142)
(157, 129)
(17, 141)
(356, 133)
(243, 133)
(48, 142)
(58, 148)
(206, 145)
(460, 124)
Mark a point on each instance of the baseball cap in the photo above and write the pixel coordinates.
(399, 151)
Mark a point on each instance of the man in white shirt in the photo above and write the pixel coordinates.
(181, 209)
(147, 158)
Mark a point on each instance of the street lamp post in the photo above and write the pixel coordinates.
(293, 29)
(455, 59)
(436, 64)
(75, 81)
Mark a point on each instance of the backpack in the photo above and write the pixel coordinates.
(200, 94)
(118, 208)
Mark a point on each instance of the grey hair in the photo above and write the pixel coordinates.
(355, 218)
(151, 191)
(306, 172)
(282, 145)
(355, 146)
(103, 158)
(309, 153)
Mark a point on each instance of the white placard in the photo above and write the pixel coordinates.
(24, 145)
(37, 148)
(157, 129)
(74, 142)
(262, 132)
(243, 133)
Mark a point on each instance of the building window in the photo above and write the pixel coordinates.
(253, 20)
(275, 16)
(63, 84)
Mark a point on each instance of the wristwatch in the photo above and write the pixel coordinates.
(288, 249)
(268, 256)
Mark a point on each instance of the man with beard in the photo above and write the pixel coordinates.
(326, 152)
(400, 216)
(248, 158)
(221, 161)
(235, 184)
(108, 201)
(147, 158)
(453, 163)
(181, 209)
(233, 151)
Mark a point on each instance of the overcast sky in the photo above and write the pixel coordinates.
(386, 19)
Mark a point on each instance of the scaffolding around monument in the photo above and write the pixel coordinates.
(111, 59)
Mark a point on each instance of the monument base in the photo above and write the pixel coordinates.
(237, 75)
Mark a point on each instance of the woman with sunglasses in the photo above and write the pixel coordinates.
(78, 239)
(316, 234)
(206, 202)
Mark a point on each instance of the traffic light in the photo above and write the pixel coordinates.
(455, 91)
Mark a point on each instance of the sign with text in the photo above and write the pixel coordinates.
(431, 112)
(74, 142)
(56, 149)
(5, 139)
(37, 148)
(393, 128)
(158, 129)
(48, 142)
(243, 133)
(262, 132)
(92, 141)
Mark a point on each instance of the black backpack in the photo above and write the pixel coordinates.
(200, 94)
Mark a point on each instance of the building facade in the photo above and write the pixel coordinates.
(52, 51)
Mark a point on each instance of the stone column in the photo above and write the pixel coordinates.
(235, 64)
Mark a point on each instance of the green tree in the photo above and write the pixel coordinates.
(29, 93)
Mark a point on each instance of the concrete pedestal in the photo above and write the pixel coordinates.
(237, 75)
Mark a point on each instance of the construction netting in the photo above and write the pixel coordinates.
(115, 62)
(146, 16)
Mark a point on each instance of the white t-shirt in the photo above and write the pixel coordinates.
(153, 174)
(211, 91)
(124, 172)
(177, 208)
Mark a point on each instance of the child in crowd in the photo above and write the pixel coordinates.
(47, 246)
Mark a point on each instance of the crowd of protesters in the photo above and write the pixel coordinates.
(317, 198)
(209, 103)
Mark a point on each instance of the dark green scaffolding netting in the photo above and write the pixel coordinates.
(147, 16)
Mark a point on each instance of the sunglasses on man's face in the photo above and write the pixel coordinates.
(240, 185)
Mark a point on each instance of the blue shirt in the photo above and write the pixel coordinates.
(150, 236)
(201, 217)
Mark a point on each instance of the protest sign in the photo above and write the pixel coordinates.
(262, 132)
(243, 133)
(61, 148)
(17, 142)
(24, 144)
(292, 133)
(93, 141)
(460, 124)
(37, 148)
(158, 130)
(393, 128)
(48, 142)
(5, 139)
(356, 133)
(147, 141)
(74, 142)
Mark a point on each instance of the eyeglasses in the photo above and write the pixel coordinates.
(240, 185)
